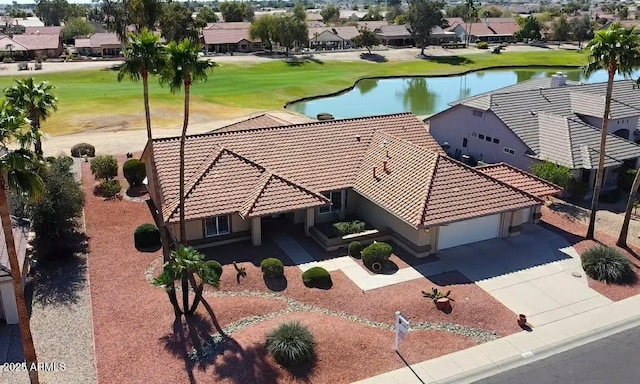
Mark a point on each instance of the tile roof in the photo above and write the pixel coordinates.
(425, 188)
(347, 32)
(52, 30)
(37, 42)
(261, 171)
(551, 122)
(20, 237)
(393, 30)
(83, 43)
(5, 41)
(520, 179)
(264, 120)
(225, 35)
(104, 38)
(229, 25)
(371, 25)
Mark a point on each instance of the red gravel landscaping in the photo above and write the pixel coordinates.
(137, 341)
(574, 231)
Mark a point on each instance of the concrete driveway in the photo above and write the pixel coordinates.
(534, 274)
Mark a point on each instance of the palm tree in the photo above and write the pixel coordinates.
(183, 264)
(37, 101)
(631, 204)
(470, 17)
(142, 57)
(616, 50)
(19, 172)
(183, 67)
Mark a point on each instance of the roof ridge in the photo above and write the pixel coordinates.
(197, 176)
(289, 126)
(253, 197)
(428, 189)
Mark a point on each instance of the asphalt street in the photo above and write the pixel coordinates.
(613, 360)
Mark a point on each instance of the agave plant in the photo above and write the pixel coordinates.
(435, 294)
(291, 344)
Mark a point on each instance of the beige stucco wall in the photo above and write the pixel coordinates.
(238, 224)
(195, 228)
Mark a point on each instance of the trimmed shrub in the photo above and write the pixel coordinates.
(104, 167)
(376, 252)
(349, 227)
(355, 249)
(482, 45)
(317, 277)
(606, 264)
(82, 149)
(146, 236)
(134, 171)
(291, 344)
(272, 268)
(108, 188)
(217, 267)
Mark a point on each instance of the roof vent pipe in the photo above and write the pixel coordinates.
(384, 166)
(374, 173)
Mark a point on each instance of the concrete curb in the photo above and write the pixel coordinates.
(543, 352)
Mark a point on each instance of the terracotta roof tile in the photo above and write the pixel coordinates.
(226, 36)
(35, 42)
(264, 120)
(520, 179)
(424, 188)
(52, 30)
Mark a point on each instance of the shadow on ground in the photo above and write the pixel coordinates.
(451, 60)
(569, 211)
(302, 60)
(374, 57)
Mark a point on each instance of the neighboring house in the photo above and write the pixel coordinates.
(400, 36)
(386, 170)
(105, 44)
(32, 46)
(545, 119)
(264, 120)
(8, 309)
(53, 30)
(226, 39)
(332, 37)
(491, 30)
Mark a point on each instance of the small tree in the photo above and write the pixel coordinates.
(185, 262)
(529, 28)
(104, 167)
(55, 215)
(553, 173)
(367, 38)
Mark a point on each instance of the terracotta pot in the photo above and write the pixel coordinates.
(443, 303)
(522, 320)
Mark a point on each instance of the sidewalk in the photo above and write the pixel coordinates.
(501, 355)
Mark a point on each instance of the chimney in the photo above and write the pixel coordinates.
(374, 173)
(384, 166)
(559, 79)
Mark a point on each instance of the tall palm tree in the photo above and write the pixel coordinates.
(37, 101)
(622, 238)
(183, 67)
(470, 17)
(616, 50)
(141, 58)
(19, 172)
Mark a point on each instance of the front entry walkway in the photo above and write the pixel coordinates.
(354, 271)
(537, 274)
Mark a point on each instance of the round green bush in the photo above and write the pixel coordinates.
(317, 277)
(606, 264)
(272, 268)
(217, 267)
(355, 249)
(376, 252)
(291, 344)
(134, 171)
(482, 45)
(146, 236)
(82, 149)
(108, 188)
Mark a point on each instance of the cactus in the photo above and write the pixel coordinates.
(435, 294)
(240, 272)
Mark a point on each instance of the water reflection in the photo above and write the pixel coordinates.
(426, 95)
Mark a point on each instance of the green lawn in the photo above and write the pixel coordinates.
(89, 96)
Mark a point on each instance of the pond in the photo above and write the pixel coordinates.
(425, 95)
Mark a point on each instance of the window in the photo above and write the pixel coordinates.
(477, 113)
(509, 151)
(488, 138)
(216, 226)
(496, 141)
(336, 202)
(481, 137)
(464, 142)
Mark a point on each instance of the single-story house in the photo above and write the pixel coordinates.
(8, 309)
(99, 44)
(223, 40)
(332, 37)
(399, 35)
(385, 170)
(548, 119)
(32, 46)
(491, 30)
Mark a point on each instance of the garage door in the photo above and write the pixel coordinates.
(469, 231)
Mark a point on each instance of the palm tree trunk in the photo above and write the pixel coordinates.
(185, 293)
(603, 142)
(173, 299)
(622, 239)
(183, 138)
(37, 142)
(197, 298)
(147, 112)
(16, 276)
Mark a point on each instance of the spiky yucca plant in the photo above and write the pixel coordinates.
(607, 264)
(291, 344)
